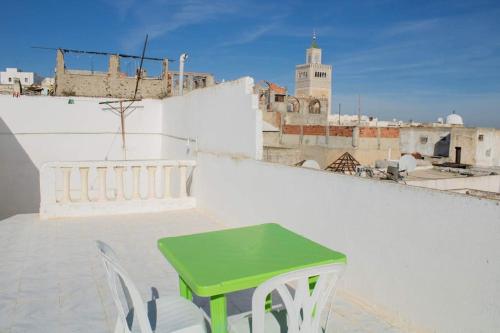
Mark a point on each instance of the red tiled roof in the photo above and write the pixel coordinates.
(277, 89)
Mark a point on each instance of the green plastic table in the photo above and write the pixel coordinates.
(213, 264)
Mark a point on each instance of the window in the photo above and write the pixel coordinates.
(279, 98)
(302, 75)
(480, 137)
(26, 80)
(10, 79)
(315, 106)
(423, 140)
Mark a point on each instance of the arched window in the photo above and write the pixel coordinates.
(293, 104)
(315, 106)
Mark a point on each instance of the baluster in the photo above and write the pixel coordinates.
(119, 183)
(167, 169)
(103, 196)
(66, 197)
(136, 181)
(152, 181)
(182, 181)
(84, 180)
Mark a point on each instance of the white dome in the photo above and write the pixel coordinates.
(454, 119)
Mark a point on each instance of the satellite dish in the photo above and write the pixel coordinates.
(311, 164)
(407, 163)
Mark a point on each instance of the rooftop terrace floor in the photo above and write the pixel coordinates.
(51, 279)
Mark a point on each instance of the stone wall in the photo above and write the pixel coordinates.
(115, 83)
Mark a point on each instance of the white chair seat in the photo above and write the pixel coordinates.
(172, 314)
(274, 322)
(175, 314)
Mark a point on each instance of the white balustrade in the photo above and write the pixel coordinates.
(84, 188)
(167, 170)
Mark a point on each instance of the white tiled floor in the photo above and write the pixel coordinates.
(52, 281)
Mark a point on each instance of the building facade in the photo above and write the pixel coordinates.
(10, 75)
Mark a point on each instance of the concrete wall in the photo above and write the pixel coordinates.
(427, 141)
(221, 119)
(366, 144)
(38, 129)
(479, 145)
(113, 83)
(481, 183)
(427, 259)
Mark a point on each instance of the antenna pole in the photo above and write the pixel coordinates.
(359, 109)
(139, 74)
(340, 106)
(122, 119)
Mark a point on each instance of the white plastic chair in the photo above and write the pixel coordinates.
(302, 312)
(167, 314)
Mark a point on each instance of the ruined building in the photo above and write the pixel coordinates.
(115, 83)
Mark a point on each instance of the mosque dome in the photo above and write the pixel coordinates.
(454, 119)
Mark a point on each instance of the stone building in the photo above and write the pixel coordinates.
(115, 83)
(313, 80)
(302, 126)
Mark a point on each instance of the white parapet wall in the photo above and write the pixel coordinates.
(71, 189)
(427, 260)
(223, 118)
(482, 183)
(39, 129)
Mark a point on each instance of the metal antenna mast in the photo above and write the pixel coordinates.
(121, 111)
(359, 109)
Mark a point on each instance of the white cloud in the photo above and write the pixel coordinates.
(160, 17)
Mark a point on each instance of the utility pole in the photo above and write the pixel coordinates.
(359, 109)
(340, 107)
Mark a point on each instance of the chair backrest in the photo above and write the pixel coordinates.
(118, 279)
(304, 309)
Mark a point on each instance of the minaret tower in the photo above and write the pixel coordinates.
(314, 79)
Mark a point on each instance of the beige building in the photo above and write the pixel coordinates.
(115, 83)
(478, 146)
(314, 79)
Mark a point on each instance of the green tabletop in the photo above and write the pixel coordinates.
(220, 262)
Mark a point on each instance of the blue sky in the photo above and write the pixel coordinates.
(407, 59)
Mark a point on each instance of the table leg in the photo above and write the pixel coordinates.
(218, 313)
(184, 290)
(269, 302)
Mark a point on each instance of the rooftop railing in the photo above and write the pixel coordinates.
(114, 187)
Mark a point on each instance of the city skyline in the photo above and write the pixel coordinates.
(407, 61)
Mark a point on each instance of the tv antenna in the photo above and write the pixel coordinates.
(125, 104)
